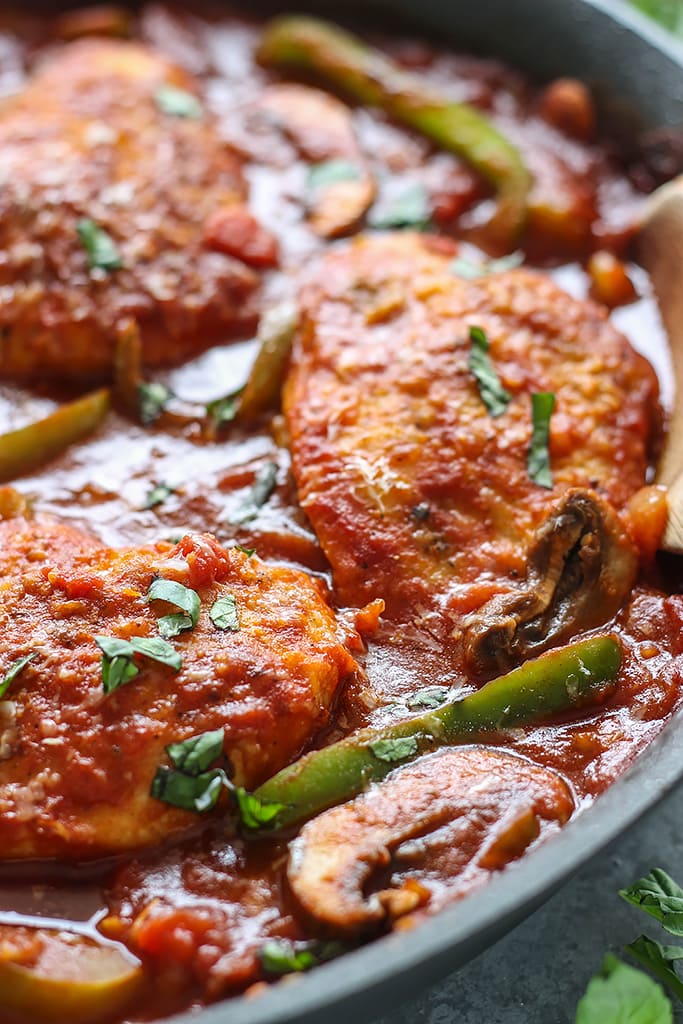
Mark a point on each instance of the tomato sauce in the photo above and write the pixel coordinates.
(197, 913)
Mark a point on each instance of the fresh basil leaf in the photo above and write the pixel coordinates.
(182, 597)
(280, 956)
(621, 994)
(223, 613)
(99, 246)
(659, 960)
(329, 172)
(114, 647)
(492, 393)
(245, 551)
(158, 650)
(153, 397)
(411, 208)
(196, 754)
(394, 749)
(224, 410)
(429, 697)
(13, 671)
(538, 461)
(255, 813)
(157, 495)
(178, 102)
(262, 488)
(470, 271)
(657, 894)
(198, 793)
(116, 672)
(668, 13)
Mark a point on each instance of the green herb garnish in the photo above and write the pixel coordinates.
(492, 393)
(118, 666)
(157, 495)
(538, 461)
(255, 813)
(99, 246)
(153, 397)
(394, 749)
(411, 208)
(223, 410)
(178, 102)
(621, 994)
(668, 13)
(261, 490)
(196, 754)
(429, 697)
(223, 613)
(660, 960)
(657, 894)
(330, 172)
(282, 956)
(245, 551)
(198, 793)
(470, 271)
(13, 671)
(182, 597)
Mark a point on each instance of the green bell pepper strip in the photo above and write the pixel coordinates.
(369, 77)
(580, 675)
(28, 447)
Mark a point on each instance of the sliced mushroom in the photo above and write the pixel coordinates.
(321, 129)
(580, 568)
(46, 976)
(448, 820)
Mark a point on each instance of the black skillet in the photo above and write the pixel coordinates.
(631, 62)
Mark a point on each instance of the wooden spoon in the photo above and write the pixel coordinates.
(661, 252)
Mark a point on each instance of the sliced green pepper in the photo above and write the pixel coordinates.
(368, 76)
(28, 447)
(580, 675)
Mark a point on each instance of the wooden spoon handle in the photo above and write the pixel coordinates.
(661, 252)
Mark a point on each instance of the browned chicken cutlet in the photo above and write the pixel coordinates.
(418, 494)
(76, 763)
(97, 136)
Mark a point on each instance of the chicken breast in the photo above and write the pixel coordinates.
(76, 763)
(418, 493)
(109, 169)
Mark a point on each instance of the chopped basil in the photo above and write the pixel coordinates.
(429, 697)
(223, 613)
(657, 894)
(178, 102)
(492, 393)
(157, 495)
(255, 813)
(469, 270)
(660, 960)
(118, 666)
(261, 490)
(182, 597)
(13, 671)
(621, 994)
(282, 956)
(538, 461)
(245, 551)
(196, 754)
(411, 208)
(99, 246)
(153, 397)
(330, 172)
(394, 749)
(224, 410)
(198, 793)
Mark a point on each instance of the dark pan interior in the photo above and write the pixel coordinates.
(638, 69)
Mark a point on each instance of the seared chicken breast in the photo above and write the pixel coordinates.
(110, 167)
(77, 763)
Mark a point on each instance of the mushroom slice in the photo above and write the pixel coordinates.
(450, 819)
(341, 188)
(581, 565)
(47, 975)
